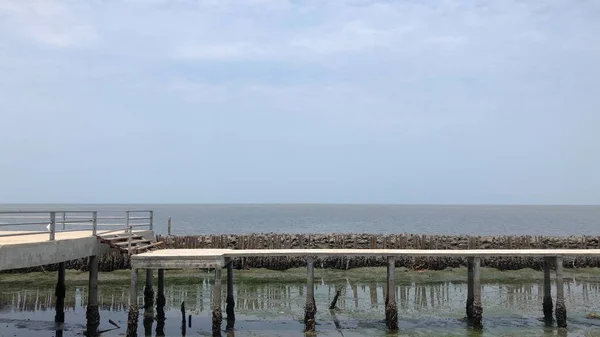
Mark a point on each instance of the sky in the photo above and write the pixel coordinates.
(300, 101)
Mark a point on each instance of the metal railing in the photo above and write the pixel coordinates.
(17, 223)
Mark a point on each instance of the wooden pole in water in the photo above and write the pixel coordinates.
(561, 309)
(217, 316)
(230, 300)
(311, 308)
(183, 327)
(132, 319)
(477, 307)
(470, 290)
(547, 304)
(391, 309)
(169, 226)
(92, 313)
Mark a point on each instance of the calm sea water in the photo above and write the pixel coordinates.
(385, 219)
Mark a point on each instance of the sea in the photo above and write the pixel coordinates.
(190, 219)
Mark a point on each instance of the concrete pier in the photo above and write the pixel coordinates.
(132, 318)
(217, 315)
(561, 309)
(220, 258)
(230, 309)
(310, 309)
(391, 309)
(547, 303)
(60, 292)
(92, 313)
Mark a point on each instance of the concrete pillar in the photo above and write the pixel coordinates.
(148, 303)
(470, 290)
(547, 304)
(230, 300)
(311, 308)
(477, 307)
(148, 290)
(391, 309)
(132, 319)
(561, 309)
(92, 313)
(217, 316)
(60, 292)
(160, 304)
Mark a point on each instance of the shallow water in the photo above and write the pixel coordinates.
(275, 308)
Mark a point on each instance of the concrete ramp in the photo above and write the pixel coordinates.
(26, 251)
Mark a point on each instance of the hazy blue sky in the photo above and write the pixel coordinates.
(344, 101)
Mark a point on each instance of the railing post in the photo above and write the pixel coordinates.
(64, 220)
(95, 223)
(52, 225)
(151, 220)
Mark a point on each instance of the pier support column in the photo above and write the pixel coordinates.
(132, 319)
(391, 309)
(160, 304)
(148, 303)
(469, 305)
(477, 312)
(217, 316)
(547, 304)
(60, 292)
(230, 300)
(92, 314)
(310, 309)
(149, 290)
(561, 309)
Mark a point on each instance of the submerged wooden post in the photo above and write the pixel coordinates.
(477, 307)
(60, 292)
(183, 328)
(391, 309)
(217, 316)
(230, 300)
(92, 313)
(160, 304)
(547, 304)
(132, 319)
(310, 309)
(561, 309)
(470, 290)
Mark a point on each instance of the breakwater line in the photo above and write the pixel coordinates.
(115, 260)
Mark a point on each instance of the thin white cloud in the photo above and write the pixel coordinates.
(48, 22)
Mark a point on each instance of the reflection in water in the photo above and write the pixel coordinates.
(424, 308)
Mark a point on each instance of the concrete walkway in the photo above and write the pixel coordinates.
(26, 251)
(195, 258)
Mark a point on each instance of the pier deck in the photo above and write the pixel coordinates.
(23, 237)
(218, 259)
(162, 259)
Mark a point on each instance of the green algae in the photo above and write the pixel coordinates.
(296, 275)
